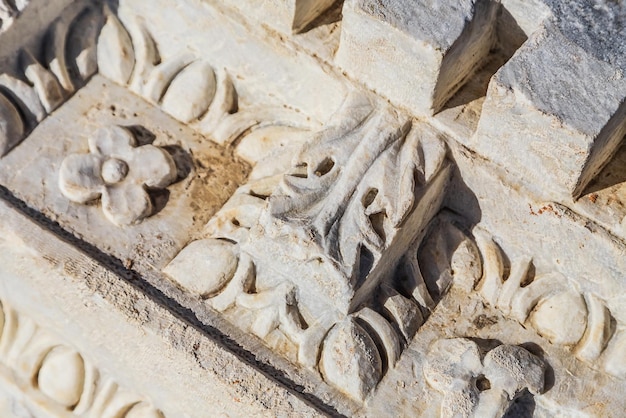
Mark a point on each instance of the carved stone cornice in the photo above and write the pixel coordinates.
(352, 246)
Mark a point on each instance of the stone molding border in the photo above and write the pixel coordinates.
(335, 252)
(37, 357)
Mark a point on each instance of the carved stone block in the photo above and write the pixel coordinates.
(558, 141)
(288, 17)
(431, 60)
(249, 208)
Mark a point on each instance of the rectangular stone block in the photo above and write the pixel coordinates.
(433, 47)
(285, 16)
(554, 113)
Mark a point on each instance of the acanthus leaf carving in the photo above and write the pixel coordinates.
(340, 187)
(404, 165)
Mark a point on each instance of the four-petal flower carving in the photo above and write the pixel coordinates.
(119, 171)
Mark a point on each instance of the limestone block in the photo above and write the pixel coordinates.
(290, 16)
(432, 46)
(555, 114)
(73, 351)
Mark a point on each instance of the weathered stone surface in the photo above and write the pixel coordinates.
(288, 17)
(431, 60)
(350, 360)
(555, 112)
(273, 224)
(454, 367)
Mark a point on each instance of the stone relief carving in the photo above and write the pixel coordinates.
(46, 80)
(310, 255)
(538, 300)
(350, 199)
(477, 386)
(9, 11)
(184, 86)
(117, 170)
(544, 302)
(58, 377)
(77, 46)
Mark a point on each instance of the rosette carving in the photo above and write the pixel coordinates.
(117, 170)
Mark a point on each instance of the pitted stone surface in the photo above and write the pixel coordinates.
(295, 233)
(560, 100)
(439, 23)
(434, 46)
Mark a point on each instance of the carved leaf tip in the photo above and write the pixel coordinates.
(191, 92)
(146, 55)
(116, 55)
(12, 127)
(50, 92)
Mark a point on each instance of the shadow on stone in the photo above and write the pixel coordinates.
(510, 38)
(522, 407)
(184, 162)
(538, 351)
(332, 15)
(612, 174)
(462, 200)
(159, 199)
(143, 135)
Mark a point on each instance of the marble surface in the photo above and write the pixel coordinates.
(301, 208)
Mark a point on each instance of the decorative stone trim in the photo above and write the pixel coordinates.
(536, 300)
(61, 378)
(184, 86)
(335, 247)
(545, 302)
(351, 219)
(23, 105)
(474, 386)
